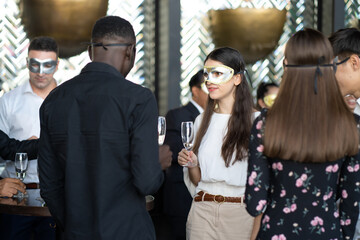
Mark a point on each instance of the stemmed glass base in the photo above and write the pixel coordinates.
(20, 195)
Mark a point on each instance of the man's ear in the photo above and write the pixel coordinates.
(355, 62)
(90, 52)
(131, 51)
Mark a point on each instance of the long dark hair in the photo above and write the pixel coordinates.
(239, 125)
(304, 125)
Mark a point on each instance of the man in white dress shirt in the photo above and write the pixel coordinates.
(19, 119)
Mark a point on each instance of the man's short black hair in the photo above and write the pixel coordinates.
(197, 79)
(345, 42)
(47, 44)
(111, 26)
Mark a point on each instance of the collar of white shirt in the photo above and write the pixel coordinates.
(197, 105)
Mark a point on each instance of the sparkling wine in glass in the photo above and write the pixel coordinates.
(161, 129)
(187, 136)
(21, 164)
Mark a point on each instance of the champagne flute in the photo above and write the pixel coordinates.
(187, 137)
(21, 164)
(161, 129)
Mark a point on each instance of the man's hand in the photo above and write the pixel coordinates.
(165, 156)
(10, 186)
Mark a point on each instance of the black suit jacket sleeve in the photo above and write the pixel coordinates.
(9, 147)
(145, 165)
(51, 175)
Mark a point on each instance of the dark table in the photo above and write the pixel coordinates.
(30, 206)
(34, 205)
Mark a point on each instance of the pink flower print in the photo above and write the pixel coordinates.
(329, 168)
(316, 221)
(314, 203)
(299, 182)
(303, 177)
(250, 181)
(313, 222)
(293, 207)
(274, 166)
(286, 210)
(278, 237)
(266, 219)
(253, 174)
(258, 135)
(259, 125)
(350, 169)
(279, 166)
(282, 193)
(256, 189)
(260, 205)
(323, 229)
(342, 223)
(330, 194)
(335, 168)
(282, 237)
(304, 190)
(319, 220)
(327, 196)
(356, 167)
(336, 214)
(347, 222)
(260, 148)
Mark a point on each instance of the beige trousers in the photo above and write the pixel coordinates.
(225, 221)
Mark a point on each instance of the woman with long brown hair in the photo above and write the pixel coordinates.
(302, 151)
(219, 157)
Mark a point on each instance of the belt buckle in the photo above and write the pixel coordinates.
(219, 201)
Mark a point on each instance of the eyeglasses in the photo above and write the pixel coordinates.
(109, 45)
(342, 61)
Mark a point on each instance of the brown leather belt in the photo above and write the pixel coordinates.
(32, 185)
(201, 196)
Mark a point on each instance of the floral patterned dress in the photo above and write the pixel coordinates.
(299, 200)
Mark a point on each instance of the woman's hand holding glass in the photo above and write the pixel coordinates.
(187, 158)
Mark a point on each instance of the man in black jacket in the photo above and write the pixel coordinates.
(177, 199)
(98, 150)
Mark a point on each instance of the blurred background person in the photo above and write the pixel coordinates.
(266, 94)
(177, 199)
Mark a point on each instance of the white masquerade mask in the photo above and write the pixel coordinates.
(218, 74)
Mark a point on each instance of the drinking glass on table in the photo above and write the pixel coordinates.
(187, 137)
(161, 129)
(21, 164)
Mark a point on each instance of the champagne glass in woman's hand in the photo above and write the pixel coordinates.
(21, 164)
(187, 137)
(161, 129)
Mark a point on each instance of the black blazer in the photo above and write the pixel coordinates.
(99, 155)
(177, 199)
(9, 147)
